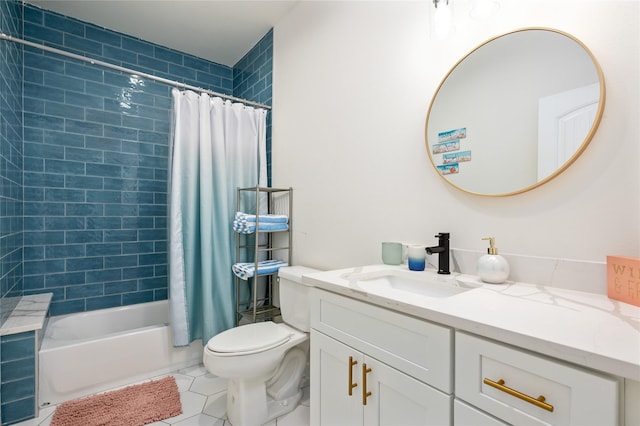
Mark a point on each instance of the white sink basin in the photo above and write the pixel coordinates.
(426, 283)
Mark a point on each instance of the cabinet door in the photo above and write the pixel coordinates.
(331, 403)
(397, 399)
(466, 415)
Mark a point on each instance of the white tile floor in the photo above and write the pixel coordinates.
(203, 398)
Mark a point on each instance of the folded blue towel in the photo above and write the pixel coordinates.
(266, 267)
(271, 218)
(250, 227)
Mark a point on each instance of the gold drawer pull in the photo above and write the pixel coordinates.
(365, 393)
(352, 385)
(538, 402)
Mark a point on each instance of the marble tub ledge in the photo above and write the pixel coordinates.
(28, 315)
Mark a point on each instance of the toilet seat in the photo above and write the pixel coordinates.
(249, 339)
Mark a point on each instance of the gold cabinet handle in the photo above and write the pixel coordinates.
(365, 393)
(538, 402)
(352, 385)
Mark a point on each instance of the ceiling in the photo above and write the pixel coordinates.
(221, 31)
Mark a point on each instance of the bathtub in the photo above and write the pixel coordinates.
(90, 352)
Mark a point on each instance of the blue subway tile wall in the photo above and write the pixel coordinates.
(95, 163)
(11, 156)
(18, 383)
(11, 204)
(252, 77)
(96, 154)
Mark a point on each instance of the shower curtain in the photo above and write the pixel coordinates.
(215, 147)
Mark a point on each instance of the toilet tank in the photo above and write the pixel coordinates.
(294, 296)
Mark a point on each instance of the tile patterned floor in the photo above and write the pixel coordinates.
(203, 398)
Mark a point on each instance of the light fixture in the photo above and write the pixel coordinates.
(483, 9)
(442, 18)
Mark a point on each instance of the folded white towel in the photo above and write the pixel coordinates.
(271, 218)
(266, 267)
(250, 227)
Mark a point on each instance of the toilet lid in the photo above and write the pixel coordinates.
(249, 338)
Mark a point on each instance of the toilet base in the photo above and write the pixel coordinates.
(251, 403)
(280, 408)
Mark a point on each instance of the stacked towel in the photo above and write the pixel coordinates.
(250, 228)
(266, 267)
(271, 218)
(246, 223)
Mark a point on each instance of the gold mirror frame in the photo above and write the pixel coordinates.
(567, 163)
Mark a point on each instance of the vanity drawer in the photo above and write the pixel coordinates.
(416, 347)
(521, 387)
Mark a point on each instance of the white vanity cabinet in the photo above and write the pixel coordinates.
(520, 354)
(521, 387)
(373, 366)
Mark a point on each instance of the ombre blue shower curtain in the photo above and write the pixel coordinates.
(215, 147)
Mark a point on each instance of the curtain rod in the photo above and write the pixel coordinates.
(3, 36)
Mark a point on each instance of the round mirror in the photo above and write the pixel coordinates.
(515, 112)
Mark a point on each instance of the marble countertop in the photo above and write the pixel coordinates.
(28, 315)
(586, 329)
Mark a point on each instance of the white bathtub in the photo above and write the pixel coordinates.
(90, 352)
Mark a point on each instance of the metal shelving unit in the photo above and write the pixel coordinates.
(260, 246)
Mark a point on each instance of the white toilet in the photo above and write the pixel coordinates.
(265, 362)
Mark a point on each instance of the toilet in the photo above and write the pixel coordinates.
(265, 362)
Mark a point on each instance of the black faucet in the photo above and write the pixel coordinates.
(443, 252)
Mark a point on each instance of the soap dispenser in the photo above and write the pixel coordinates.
(493, 268)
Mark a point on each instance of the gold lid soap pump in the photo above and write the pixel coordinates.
(493, 268)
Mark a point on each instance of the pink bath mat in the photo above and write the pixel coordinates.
(131, 406)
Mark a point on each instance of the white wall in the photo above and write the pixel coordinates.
(352, 85)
